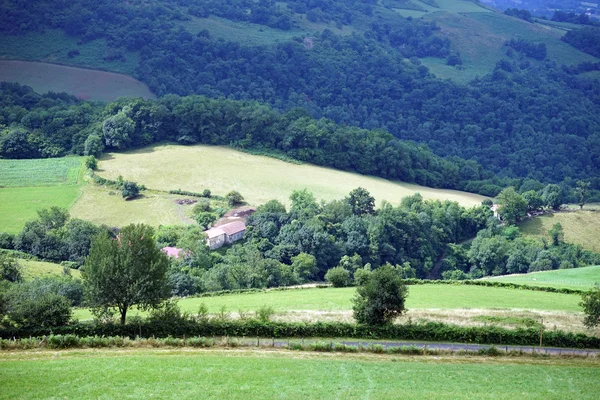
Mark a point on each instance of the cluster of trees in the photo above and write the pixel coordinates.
(584, 39)
(537, 51)
(574, 18)
(521, 14)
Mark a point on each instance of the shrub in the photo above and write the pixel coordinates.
(46, 310)
(91, 162)
(265, 313)
(10, 270)
(203, 205)
(234, 198)
(591, 307)
(338, 277)
(206, 193)
(205, 219)
(6, 241)
(129, 190)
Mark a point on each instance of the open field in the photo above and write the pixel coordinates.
(83, 83)
(243, 374)
(576, 278)
(21, 204)
(432, 296)
(106, 206)
(580, 227)
(40, 172)
(40, 269)
(54, 45)
(257, 178)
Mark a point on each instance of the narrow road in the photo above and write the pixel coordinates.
(454, 347)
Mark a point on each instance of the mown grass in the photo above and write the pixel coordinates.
(576, 278)
(21, 204)
(53, 45)
(248, 375)
(106, 206)
(580, 227)
(257, 178)
(40, 269)
(40, 172)
(419, 297)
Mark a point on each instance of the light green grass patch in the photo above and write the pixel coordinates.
(53, 45)
(19, 205)
(580, 227)
(40, 269)
(106, 206)
(576, 278)
(259, 375)
(419, 297)
(40, 172)
(259, 179)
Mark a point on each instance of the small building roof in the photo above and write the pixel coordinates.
(172, 251)
(233, 227)
(214, 232)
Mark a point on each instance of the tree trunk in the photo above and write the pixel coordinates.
(123, 315)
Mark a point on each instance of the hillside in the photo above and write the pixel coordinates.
(316, 56)
(258, 178)
(580, 227)
(577, 278)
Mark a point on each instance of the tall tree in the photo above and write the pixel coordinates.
(552, 196)
(512, 205)
(582, 190)
(361, 201)
(126, 271)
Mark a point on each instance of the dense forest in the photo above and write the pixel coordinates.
(507, 121)
(585, 39)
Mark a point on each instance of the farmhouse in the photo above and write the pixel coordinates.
(225, 234)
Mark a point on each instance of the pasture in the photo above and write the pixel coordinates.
(27, 186)
(580, 227)
(243, 374)
(577, 278)
(21, 204)
(258, 178)
(439, 297)
(40, 269)
(87, 84)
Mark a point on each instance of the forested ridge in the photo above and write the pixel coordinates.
(526, 119)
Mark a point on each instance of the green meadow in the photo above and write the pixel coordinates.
(241, 374)
(40, 172)
(40, 269)
(576, 278)
(419, 297)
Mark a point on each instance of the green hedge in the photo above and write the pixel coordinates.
(434, 332)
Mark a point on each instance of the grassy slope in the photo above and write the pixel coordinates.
(48, 182)
(580, 227)
(53, 46)
(258, 178)
(419, 297)
(577, 278)
(248, 375)
(39, 269)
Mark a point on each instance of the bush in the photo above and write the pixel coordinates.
(591, 307)
(265, 313)
(129, 190)
(203, 205)
(234, 198)
(338, 277)
(10, 270)
(6, 241)
(91, 162)
(206, 193)
(46, 310)
(205, 219)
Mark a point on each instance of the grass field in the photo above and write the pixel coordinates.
(27, 186)
(419, 297)
(576, 278)
(53, 46)
(19, 205)
(243, 374)
(83, 83)
(40, 172)
(257, 178)
(580, 227)
(106, 206)
(40, 269)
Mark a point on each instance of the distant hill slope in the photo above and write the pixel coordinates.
(576, 278)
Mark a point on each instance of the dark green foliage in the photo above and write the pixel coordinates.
(591, 307)
(582, 191)
(584, 39)
(513, 206)
(7, 241)
(380, 299)
(537, 51)
(35, 305)
(129, 190)
(126, 271)
(361, 201)
(91, 162)
(10, 270)
(338, 277)
(552, 196)
(205, 219)
(521, 14)
(557, 234)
